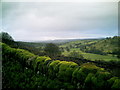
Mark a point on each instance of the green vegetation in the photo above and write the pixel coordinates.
(65, 70)
(92, 57)
(108, 49)
(101, 49)
(5, 36)
(51, 73)
(100, 46)
(52, 50)
(34, 65)
(75, 54)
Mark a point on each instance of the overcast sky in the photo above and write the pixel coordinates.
(59, 20)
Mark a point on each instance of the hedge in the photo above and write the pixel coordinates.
(88, 75)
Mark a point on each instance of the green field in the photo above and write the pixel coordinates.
(93, 57)
(100, 49)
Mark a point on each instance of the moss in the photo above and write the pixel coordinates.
(116, 84)
(68, 86)
(88, 81)
(88, 74)
(6, 49)
(103, 75)
(54, 68)
(30, 61)
(65, 70)
(54, 65)
(91, 66)
(81, 72)
(39, 62)
(111, 81)
(23, 54)
(76, 73)
(100, 79)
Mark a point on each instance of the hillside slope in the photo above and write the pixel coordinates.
(105, 46)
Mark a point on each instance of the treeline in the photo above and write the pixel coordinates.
(22, 69)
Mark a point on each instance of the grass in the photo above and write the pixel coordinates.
(81, 42)
(93, 57)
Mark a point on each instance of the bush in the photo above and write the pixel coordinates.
(76, 54)
(52, 50)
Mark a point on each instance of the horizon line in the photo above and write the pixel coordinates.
(58, 39)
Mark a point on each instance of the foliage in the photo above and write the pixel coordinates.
(81, 72)
(93, 57)
(54, 68)
(111, 81)
(42, 63)
(52, 50)
(100, 79)
(107, 48)
(97, 80)
(65, 70)
(17, 74)
(75, 54)
(88, 81)
(5, 36)
(116, 84)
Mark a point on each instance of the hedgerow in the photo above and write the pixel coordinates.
(26, 70)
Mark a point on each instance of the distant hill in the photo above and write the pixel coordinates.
(104, 46)
(57, 41)
(63, 41)
(109, 45)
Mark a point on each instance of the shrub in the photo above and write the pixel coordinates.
(76, 54)
(52, 50)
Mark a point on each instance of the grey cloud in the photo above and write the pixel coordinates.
(59, 20)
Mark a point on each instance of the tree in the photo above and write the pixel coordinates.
(76, 54)
(67, 49)
(116, 51)
(5, 36)
(52, 50)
